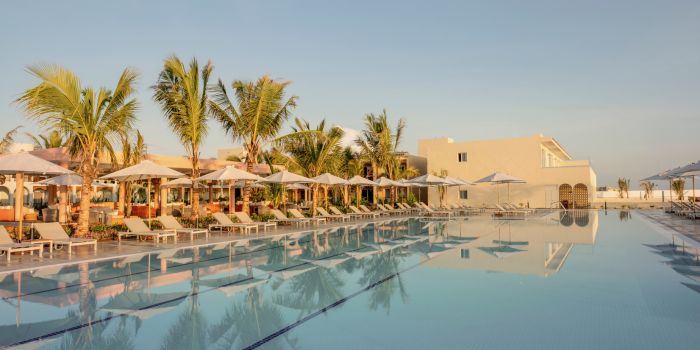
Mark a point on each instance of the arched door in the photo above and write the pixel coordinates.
(580, 196)
(566, 196)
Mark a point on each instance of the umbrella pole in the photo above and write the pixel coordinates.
(19, 204)
(508, 186)
(148, 200)
(693, 203)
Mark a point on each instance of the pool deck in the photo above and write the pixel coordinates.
(677, 228)
(108, 250)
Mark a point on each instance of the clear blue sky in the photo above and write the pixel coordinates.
(616, 82)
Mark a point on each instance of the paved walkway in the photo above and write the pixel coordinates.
(678, 227)
(108, 250)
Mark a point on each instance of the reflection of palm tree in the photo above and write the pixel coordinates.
(312, 290)
(190, 329)
(377, 268)
(92, 336)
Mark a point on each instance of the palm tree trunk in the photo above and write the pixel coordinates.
(195, 193)
(246, 187)
(85, 196)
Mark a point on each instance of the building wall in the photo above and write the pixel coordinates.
(224, 153)
(537, 159)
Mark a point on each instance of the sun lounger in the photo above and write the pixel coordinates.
(137, 228)
(325, 214)
(336, 211)
(243, 217)
(54, 231)
(170, 223)
(389, 209)
(281, 218)
(298, 215)
(8, 246)
(366, 210)
(359, 212)
(428, 211)
(224, 222)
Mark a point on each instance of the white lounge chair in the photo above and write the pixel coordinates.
(352, 215)
(170, 223)
(8, 246)
(244, 218)
(54, 231)
(360, 212)
(298, 215)
(366, 210)
(281, 218)
(328, 216)
(224, 222)
(137, 228)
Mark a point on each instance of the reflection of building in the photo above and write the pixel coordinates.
(552, 175)
(537, 246)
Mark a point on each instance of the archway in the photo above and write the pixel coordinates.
(566, 195)
(580, 196)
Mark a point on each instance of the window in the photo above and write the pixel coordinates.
(463, 194)
(464, 253)
(462, 157)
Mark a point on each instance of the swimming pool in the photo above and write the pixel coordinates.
(584, 279)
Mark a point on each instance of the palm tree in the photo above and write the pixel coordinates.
(678, 186)
(623, 186)
(92, 120)
(379, 144)
(256, 117)
(648, 188)
(182, 94)
(53, 139)
(313, 151)
(8, 139)
(132, 153)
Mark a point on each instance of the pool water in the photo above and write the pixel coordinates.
(576, 280)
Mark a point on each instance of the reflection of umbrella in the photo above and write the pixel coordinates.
(501, 178)
(501, 251)
(328, 263)
(233, 285)
(143, 305)
(363, 252)
(285, 272)
(436, 250)
(145, 170)
(19, 164)
(12, 334)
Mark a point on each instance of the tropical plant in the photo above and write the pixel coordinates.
(678, 186)
(53, 139)
(378, 145)
(91, 119)
(255, 118)
(312, 151)
(181, 92)
(8, 139)
(648, 188)
(623, 186)
(132, 153)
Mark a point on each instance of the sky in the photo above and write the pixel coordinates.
(615, 82)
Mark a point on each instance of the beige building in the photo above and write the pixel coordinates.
(225, 153)
(551, 174)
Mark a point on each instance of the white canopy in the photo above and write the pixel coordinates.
(330, 179)
(500, 178)
(430, 180)
(177, 183)
(63, 180)
(692, 169)
(286, 177)
(358, 180)
(142, 171)
(230, 172)
(26, 163)
(297, 187)
(457, 181)
(386, 182)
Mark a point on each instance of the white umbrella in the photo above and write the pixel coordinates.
(386, 182)
(298, 187)
(501, 178)
(329, 179)
(691, 170)
(145, 170)
(360, 181)
(178, 183)
(455, 181)
(662, 176)
(429, 180)
(285, 178)
(64, 180)
(231, 174)
(23, 163)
